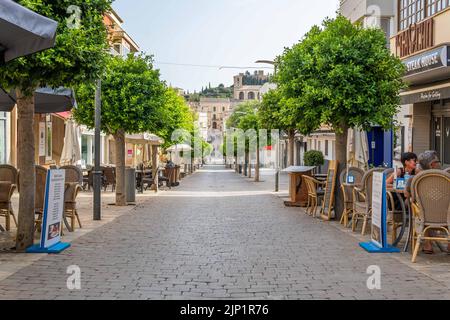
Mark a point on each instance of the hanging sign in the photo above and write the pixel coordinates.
(53, 214)
(379, 242)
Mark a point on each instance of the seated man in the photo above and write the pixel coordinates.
(429, 160)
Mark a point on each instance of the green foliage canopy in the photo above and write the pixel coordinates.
(341, 75)
(176, 115)
(78, 55)
(133, 97)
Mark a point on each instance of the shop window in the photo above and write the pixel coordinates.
(414, 11)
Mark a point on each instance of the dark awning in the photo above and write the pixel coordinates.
(46, 100)
(23, 32)
(7, 101)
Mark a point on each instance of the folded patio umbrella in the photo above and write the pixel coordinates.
(357, 149)
(23, 32)
(6, 100)
(46, 100)
(71, 154)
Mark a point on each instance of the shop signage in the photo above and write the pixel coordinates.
(53, 214)
(427, 61)
(426, 95)
(418, 37)
(379, 217)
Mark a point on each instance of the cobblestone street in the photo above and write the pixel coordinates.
(218, 236)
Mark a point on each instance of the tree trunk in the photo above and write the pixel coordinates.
(25, 163)
(119, 138)
(341, 157)
(236, 165)
(291, 135)
(246, 163)
(257, 166)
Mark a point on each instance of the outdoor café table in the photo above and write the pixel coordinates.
(406, 212)
(298, 191)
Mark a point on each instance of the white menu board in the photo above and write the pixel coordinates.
(53, 208)
(378, 195)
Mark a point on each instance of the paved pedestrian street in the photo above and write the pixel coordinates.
(218, 236)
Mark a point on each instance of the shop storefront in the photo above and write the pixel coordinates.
(423, 44)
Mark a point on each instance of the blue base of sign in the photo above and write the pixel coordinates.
(373, 248)
(57, 248)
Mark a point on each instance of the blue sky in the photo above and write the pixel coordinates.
(217, 32)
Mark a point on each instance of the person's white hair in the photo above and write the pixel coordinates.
(427, 158)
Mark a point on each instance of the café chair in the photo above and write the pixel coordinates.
(430, 203)
(314, 195)
(8, 184)
(347, 191)
(447, 170)
(109, 178)
(362, 204)
(41, 179)
(74, 182)
(394, 216)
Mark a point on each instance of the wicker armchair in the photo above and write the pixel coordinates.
(314, 195)
(8, 183)
(430, 201)
(109, 178)
(362, 205)
(70, 203)
(74, 181)
(347, 191)
(73, 174)
(168, 177)
(39, 200)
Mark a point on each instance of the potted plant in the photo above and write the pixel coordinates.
(314, 158)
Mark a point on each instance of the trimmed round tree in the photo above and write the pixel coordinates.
(274, 115)
(133, 98)
(343, 76)
(78, 56)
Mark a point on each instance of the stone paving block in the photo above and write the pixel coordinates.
(232, 240)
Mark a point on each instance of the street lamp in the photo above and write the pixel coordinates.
(97, 173)
(277, 174)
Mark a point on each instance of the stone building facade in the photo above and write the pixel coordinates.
(247, 85)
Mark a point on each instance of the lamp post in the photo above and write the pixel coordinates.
(97, 174)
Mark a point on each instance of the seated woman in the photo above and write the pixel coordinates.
(409, 162)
